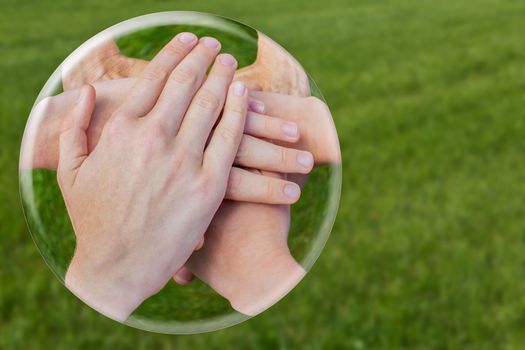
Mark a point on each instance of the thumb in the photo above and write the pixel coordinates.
(73, 147)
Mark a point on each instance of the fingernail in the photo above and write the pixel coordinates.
(187, 38)
(290, 129)
(212, 43)
(256, 106)
(305, 159)
(227, 59)
(291, 191)
(239, 89)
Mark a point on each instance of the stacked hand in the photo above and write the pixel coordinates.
(152, 167)
(105, 62)
(254, 152)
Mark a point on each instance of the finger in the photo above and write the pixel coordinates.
(183, 276)
(255, 105)
(278, 105)
(263, 155)
(51, 110)
(150, 83)
(246, 186)
(207, 104)
(220, 153)
(273, 128)
(183, 83)
(73, 147)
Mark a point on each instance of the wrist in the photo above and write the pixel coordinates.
(103, 289)
(268, 283)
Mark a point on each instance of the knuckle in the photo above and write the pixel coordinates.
(207, 184)
(237, 111)
(156, 73)
(156, 130)
(175, 49)
(267, 126)
(234, 182)
(178, 164)
(186, 75)
(283, 155)
(243, 149)
(155, 137)
(269, 189)
(228, 136)
(178, 161)
(208, 100)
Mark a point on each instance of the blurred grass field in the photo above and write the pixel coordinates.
(428, 250)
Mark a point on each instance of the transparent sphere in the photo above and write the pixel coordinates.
(263, 65)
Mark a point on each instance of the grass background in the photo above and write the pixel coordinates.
(428, 251)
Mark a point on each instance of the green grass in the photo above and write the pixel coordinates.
(428, 250)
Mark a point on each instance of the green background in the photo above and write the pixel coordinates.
(428, 250)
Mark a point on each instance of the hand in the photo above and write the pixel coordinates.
(105, 62)
(318, 133)
(40, 146)
(245, 257)
(274, 70)
(142, 199)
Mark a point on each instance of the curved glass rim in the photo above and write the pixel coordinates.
(180, 18)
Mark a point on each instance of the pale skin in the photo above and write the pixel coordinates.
(249, 279)
(128, 198)
(246, 257)
(41, 150)
(248, 274)
(318, 136)
(313, 118)
(272, 116)
(263, 271)
(285, 92)
(105, 62)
